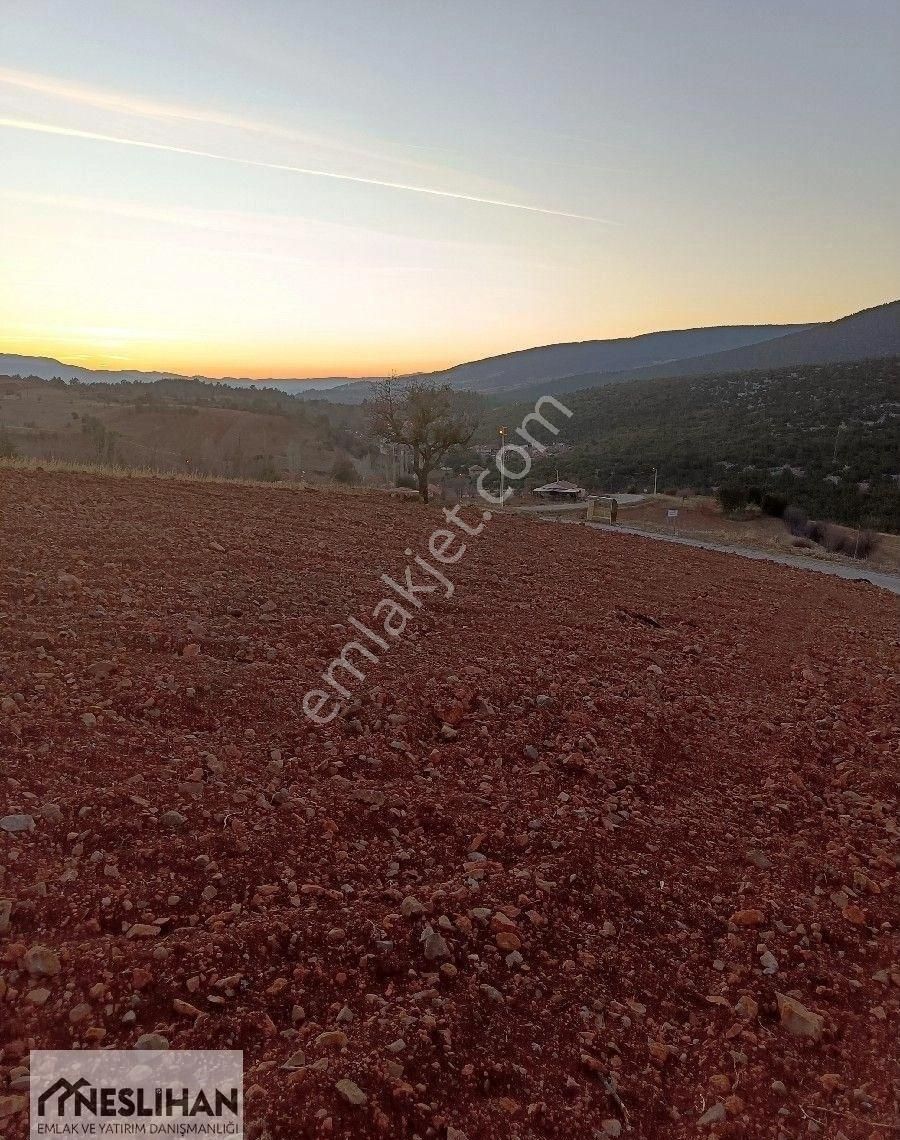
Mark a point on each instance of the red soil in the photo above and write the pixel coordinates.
(674, 764)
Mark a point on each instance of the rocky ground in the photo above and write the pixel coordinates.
(605, 845)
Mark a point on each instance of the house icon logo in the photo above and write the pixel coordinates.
(63, 1090)
(137, 1093)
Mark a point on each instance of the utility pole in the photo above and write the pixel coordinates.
(858, 530)
(502, 434)
(655, 474)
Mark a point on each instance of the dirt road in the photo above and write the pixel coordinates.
(837, 570)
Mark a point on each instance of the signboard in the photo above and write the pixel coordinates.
(137, 1092)
(603, 509)
(671, 513)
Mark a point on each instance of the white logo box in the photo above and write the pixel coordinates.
(137, 1092)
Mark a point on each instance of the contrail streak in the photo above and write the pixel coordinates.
(71, 132)
(120, 103)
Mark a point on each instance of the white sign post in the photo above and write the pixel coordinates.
(672, 514)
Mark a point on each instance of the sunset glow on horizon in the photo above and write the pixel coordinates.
(302, 190)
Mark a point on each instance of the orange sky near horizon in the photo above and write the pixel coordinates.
(295, 191)
(116, 349)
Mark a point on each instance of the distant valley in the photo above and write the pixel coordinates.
(47, 368)
(812, 409)
(573, 366)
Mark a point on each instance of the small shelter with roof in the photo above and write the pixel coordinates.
(560, 490)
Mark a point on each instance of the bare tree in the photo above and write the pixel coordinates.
(427, 418)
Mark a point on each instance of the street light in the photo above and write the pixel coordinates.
(654, 480)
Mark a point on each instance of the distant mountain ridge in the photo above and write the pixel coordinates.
(868, 334)
(513, 369)
(493, 375)
(533, 372)
(568, 367)
(511, 372)
(46, 367)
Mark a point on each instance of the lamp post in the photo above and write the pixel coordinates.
(655, 474)
(500, 466)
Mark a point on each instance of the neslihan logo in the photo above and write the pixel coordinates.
(117, 1092)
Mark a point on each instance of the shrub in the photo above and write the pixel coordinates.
(866, 543)
(408, 481)
(774, 504)
(755, 496)
(732, 498)
(796, 521)
(265, 469)
(343, 471)
(104, 441)
(836, 540)
(7, 447)
(816, 531)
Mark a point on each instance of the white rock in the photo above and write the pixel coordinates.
(15, 823)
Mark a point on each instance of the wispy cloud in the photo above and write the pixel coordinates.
(270, 226)
(96, 136)
(118, 102)
(287, 239)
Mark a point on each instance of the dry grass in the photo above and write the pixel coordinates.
(700, 517)
(83, 468)
(46, 422)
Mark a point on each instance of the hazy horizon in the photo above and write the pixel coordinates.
(296, 191)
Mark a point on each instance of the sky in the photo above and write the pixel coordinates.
(296, 188)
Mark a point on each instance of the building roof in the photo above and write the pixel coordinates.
(560, 487)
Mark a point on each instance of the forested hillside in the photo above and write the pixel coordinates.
(870, 333)
(184, 425)
(817, 432)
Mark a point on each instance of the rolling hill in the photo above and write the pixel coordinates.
(514, 372)
(560, 368)
(827, 435)
(180, 425)
(516, 369)
(493, 375)
(868, 334)
(47, 367)
(569, 367)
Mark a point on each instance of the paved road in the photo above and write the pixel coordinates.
(629, 500)
(837, 570)
(552, 507)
